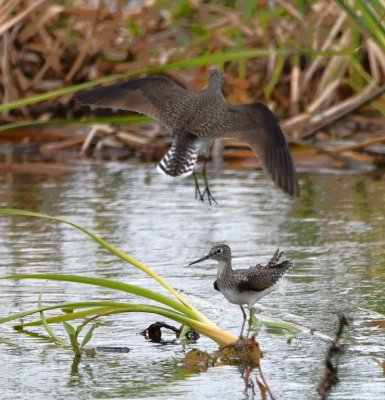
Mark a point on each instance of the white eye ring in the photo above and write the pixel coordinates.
(219, 251)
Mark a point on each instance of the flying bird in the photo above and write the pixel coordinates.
(194, 120)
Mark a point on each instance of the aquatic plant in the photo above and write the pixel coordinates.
(176, 308)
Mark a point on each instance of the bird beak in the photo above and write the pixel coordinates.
(201, 259)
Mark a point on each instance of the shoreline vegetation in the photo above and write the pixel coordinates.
(244, 353)
(319, 65)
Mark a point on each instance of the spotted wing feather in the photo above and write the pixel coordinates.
(260, 278)
(145, 95)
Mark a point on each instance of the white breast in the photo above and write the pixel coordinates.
(248, 298)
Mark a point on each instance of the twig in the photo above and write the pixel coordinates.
(330, 377)
(360, 145)
(82, 55)
(379, 92)
(360, 157)
(325, 46)
(265, 383)
(19, 17)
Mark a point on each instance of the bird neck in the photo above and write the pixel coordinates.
(224, 270)
(215, 85)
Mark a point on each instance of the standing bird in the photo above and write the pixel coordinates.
(245, 286)
(195, 119)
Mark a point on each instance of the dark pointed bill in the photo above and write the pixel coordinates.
(201, 259)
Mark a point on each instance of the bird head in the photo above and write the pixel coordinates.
(219, 252)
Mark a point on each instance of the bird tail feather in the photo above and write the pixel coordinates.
(180, 160)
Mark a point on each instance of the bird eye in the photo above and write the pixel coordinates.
(219, 251)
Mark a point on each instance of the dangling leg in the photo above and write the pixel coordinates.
(207, 188)
(243, 324)
(197, 188)
(181, 159)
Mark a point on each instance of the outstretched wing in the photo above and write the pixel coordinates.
(145, 95)
(257, 126)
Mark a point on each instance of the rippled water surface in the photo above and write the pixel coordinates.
(335, 234)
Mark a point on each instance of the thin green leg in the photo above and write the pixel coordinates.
(197, 188)
(251, 310)
(243, 324)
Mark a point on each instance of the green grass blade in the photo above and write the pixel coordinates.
(361, 23)
(107, 308)
(100, 312)
(213, 332)
(363, 17)
(111, 120)
(188, 315)
(66, 307)
(217, 58)
(277, 74)
(88, 335)
(114, 250)
(69, 328)
(376, 30)
(48, 329)
(278, 325)
(115, 285)
(207, 59)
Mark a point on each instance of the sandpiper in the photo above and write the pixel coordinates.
(245, 286)
(195, 119)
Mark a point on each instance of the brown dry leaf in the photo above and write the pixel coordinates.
(375, 323)
(237, 90)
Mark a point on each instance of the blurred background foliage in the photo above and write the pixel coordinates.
(309, 61)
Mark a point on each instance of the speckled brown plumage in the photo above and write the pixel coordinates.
(245, 286)
(195, 117)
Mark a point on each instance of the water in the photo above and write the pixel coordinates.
(334, 233)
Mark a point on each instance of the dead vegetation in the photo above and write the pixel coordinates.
(330, 378)
(244, 355)
(313, 66)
